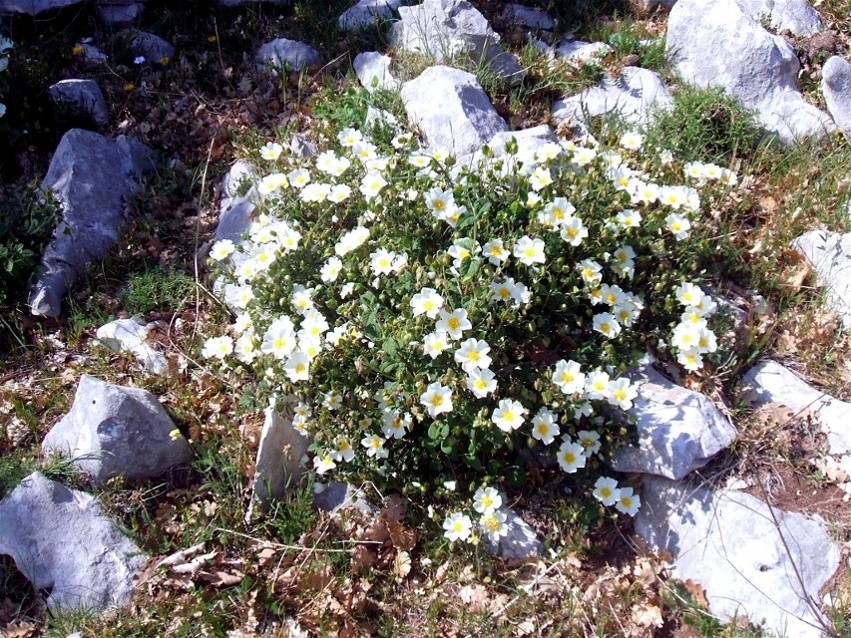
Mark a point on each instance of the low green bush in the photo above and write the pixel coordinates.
(425, 322)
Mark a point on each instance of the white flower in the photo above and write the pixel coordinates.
(530, 251)
(621, 393)
(440, 202)
(481, 382)
(271, 183)
(582, 156)
(351, 240)
(458, 527)
(339, 193)
(495, 252)
(590, 271)
(454, 323)
(302, 298)
(297, 367)
(437, 399)
(427, 301)
(242, 296)
(486, 500)
(217, 347)
(315, 193)
(689, 294)
(574, 231)
(371, 184)
(590, 440)
(279, 339)
(473, 355)
(333, 400)
(222, 249)
(271, 151)
(395, 424)
(666, 157)
(344, 450)
(606, 490)
(557, 213)
(628, 502)
(374, 445)
(544, 426)
(571, 456)
(597, 385)
(494, 525)
(323, 462)
(568, 377)
(348, 137)
(298, 178)
(245, 347)
(540, 178)
(381, 261)
(678, 225)
(331, 270)
(690, 359)
(606, 324)
(435, 343)
(508, 415)
(631, 141)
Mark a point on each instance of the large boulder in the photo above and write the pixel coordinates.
(61, 541)
(836, 88)
(633, 96)
(282, 53)
(679, 430)
(753, 560)
(830, 256)
(90, 176)
(446, 29)
(769, 382)
(759, 69)
(82, 98)
(462, 120)
(116, 431)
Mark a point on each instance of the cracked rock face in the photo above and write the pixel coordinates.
(61, 541)
(753, 560)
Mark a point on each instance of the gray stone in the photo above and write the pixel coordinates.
(520, 543)
(581, 51)
(150, 46)
(34, 7)
(797, 16)
(770, 382)
(753, 560)
(529, 17)
(366, 13)
(376, 116)
(93, 55)
(61, 541)
(90, 176)
(529, 141)
(335, 497)
(634, 95)
(279, 454)
(447, 29)
(757, 68)
(373, 71)
(461, 120)
(82, 98)
(836, 88)
(289, 54)
(679, 430)
(830, 256)
(301, 147)
(116, 431)
(130, 335)
(120, 15)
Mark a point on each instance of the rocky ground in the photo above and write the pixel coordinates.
(144, 496)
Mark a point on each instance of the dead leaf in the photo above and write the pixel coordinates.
(647, 615)
(697, 592)
(402, 564)
(221, 579)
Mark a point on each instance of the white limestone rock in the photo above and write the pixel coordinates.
(634, 95)
(529, 141)
(278, 463)
(61, 541)
(679, 430)
(830, 256)
(288, 54)
(373, 71)
(90, 176)
(836, 88)
(130, 335)
(529, 17)
(116, 431)
(797, 16)
(81, 98)
(365, 13)
(757, 68)
(451, 109)
(335, 497)
(520, 543)
(770, 382)
(747, 555)
(581, 51)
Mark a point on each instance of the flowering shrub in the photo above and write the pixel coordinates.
(428, 320)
